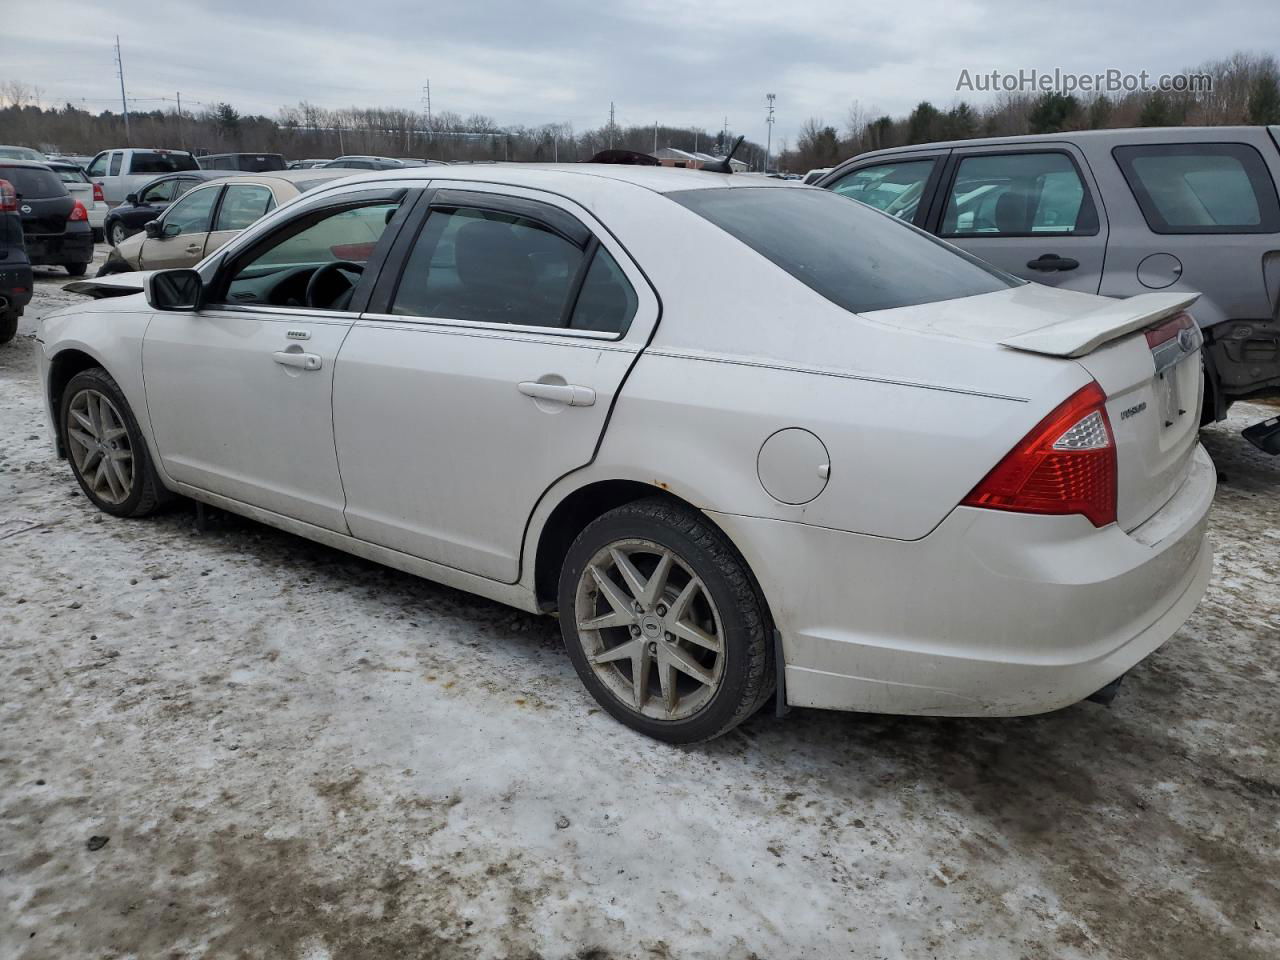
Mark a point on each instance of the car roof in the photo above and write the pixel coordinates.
(572, 176)
(289, 176)
(12, 162)
(1127, 134)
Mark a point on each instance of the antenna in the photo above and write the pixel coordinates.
(723, 165)
(124, 103)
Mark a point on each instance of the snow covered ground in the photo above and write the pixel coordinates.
(297, 755)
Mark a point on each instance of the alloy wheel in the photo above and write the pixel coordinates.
(650, 629)
(98, 442)
(117, 234)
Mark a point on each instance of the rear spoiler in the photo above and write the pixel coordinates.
(114, 285)
(1088, 331)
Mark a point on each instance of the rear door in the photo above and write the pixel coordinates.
(484, 371)
(1031, 211)
(184, 229)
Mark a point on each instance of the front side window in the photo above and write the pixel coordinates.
(490, 267)
(857, 258)
(337, 243)
(895, 188)
(116, 158)
(191, 214)
(161, 192)
(1201, 187)
(242, 204)
(98, 168)
(1018, 195)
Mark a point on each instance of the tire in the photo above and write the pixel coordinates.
(117, 235)
(112, 266)
(76, 269)
(132, 492)
(706, 593)
(98, 235)
(8, 325)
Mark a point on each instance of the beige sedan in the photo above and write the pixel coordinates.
(207, 217)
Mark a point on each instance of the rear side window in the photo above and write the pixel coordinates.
(895, 188)
(1018, 195)
(242, 204)
(145, 161)
(856, 257)
(34, 183)
(1201, 187)
(116, 159)
(489, 267)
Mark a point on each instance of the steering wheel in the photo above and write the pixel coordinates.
(322, 273)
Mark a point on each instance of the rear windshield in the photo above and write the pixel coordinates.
(69, 174)
(33, 183)
(853, 255)
(145, 161)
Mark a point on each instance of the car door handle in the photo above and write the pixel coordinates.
(566, 393)
(303, 361)
(1051, 261)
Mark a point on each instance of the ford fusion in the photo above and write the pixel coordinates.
(740, 437)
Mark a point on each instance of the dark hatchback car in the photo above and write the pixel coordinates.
(55, 226)
(244, 162)
(142, 207)
(15, 268)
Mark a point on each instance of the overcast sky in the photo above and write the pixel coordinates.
(681, 62)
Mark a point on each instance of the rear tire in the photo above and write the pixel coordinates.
(117, 234)
(680, 643)
(76, 269)
(105, 446)
(8, 325)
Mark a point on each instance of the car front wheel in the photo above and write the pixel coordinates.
(105, 446)
(664, 624)
(76, 269)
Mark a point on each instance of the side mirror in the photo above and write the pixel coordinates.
(174, 290)
(152, 229)
(131, 199)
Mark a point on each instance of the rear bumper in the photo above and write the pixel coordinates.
(991, 614)
(53, 248)
(15, 283)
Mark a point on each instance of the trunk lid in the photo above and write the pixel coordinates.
(1154, 385)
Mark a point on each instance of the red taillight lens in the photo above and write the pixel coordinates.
(78, 212)
(8, 197)
(98, 196)
(1169, 329)
(1067, 464)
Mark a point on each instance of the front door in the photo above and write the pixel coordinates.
(1032, 213)
(183, 230)
(239, 392)
(242, 204)
(486, 374)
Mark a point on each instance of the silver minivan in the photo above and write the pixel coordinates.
(1115, 212)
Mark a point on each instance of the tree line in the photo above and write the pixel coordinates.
(1246, 90)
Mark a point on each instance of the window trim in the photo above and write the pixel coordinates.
(1255, 168)
(409, 199)
(1087, 204)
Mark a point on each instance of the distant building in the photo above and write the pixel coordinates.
(671, 157)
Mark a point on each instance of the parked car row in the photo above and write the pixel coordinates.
(55, 224)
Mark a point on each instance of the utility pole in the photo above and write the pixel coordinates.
(611, 125)
(724, 138)
(768, 144)
(426, 105)
(124, 103)
(655, 136)
(182, 135)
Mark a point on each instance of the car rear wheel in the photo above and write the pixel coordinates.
(117, 234)
(108, 454)
(8, 324)
(664, 624)
(76, 269)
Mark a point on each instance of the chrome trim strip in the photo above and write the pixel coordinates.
(556, 332)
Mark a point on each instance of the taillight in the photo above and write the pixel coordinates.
(1067, 464)
(1169, 329)
(98, 195)
(78, 212)
(8, 197)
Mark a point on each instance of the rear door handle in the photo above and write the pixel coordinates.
(303, 361)
(567, 393)
(1051, 261)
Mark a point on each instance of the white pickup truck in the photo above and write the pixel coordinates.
(126, 170)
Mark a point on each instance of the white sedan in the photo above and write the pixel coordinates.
(742, 437)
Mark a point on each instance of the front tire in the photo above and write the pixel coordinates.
(664, 623)
(117, 235)
(76, 269)
(108, 453)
